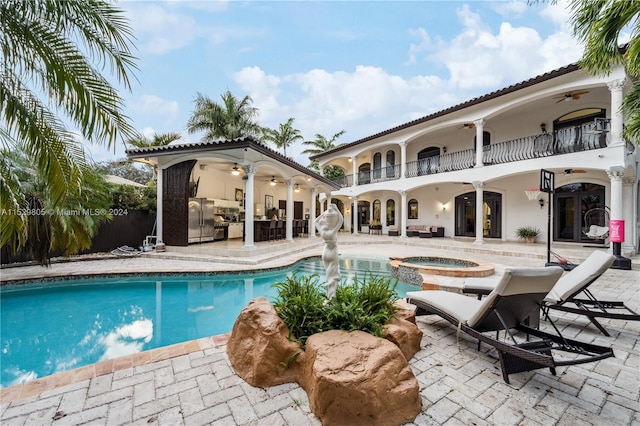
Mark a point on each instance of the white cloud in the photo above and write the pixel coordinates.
(159, 31)
(151, 104)
(511, 8)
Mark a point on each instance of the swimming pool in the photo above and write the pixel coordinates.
(60, 325)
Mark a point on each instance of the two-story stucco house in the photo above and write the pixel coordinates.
(466, 168)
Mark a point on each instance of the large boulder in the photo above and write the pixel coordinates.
(358, 379)
(405, 335)
(258, 348)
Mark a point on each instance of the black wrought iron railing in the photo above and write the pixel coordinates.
(574, 139)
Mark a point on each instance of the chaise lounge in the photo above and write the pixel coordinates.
(562, 296)
(517, 295)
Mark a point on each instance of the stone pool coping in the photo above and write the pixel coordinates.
(87, 372)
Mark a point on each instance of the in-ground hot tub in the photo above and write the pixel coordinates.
(420, 270)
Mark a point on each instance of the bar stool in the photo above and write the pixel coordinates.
(269, 233)
(280, 230)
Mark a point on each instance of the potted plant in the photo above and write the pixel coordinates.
(527, 233)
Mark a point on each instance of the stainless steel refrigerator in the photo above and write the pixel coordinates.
(201, 220)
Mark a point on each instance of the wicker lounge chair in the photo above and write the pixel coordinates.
(517, 295)
(562, 296)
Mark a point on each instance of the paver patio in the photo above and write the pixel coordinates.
(192, 383)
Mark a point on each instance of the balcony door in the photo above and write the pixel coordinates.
(491, 215)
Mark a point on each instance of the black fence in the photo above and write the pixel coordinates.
(130, 230)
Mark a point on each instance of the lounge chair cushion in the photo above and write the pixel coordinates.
(536, 282)
(570, 284)
(458, 306)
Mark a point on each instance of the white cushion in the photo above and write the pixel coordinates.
(592, 267)
(457, 305)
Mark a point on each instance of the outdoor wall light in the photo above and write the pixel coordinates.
(296, 188)
(444, 207)
(235, 171)
(541, 201)
(273, 181)
(543, 128)
(444, 149)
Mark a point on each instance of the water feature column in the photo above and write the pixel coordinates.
(328, 224)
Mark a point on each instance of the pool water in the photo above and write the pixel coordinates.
(58, 326)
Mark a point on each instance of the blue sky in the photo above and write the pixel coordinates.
(357, 66)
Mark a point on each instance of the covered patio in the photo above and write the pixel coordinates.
(242, 176)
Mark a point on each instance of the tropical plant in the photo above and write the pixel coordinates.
(158, 139)
(50, 76)
(526, 232)
(365, 305)
(300, 304)
(67, 226)
(286, 136)
(233, 119)
(319, 145)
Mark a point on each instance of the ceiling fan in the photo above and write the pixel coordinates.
(572, 171)
(572, 95)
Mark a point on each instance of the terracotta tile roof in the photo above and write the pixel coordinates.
(471, 102)
(222, 145)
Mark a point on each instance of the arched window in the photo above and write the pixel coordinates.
(428, 160)
(377, 165)
(391, 164)
(412, 208)
(364, 174)
(391, 212)
(377, 210)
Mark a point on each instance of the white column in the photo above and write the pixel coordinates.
(289, 212)
(159, 216)
(403, 159)
(312, 215)
(629, 201)
(249, 171)
(354, 170)
(404, 214)
(479, 186)
(616, 173)
(615, 87)
(479, 124)
(355, 215)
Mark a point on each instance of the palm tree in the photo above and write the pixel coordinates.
(319, 145)
(48, 80)
(598, 24)
(70, 225)
(158, 139)
(233, 119)
(284, 137)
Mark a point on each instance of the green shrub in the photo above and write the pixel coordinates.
(300, 304)
(365, 305)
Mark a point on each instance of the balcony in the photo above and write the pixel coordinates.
(565, 141)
